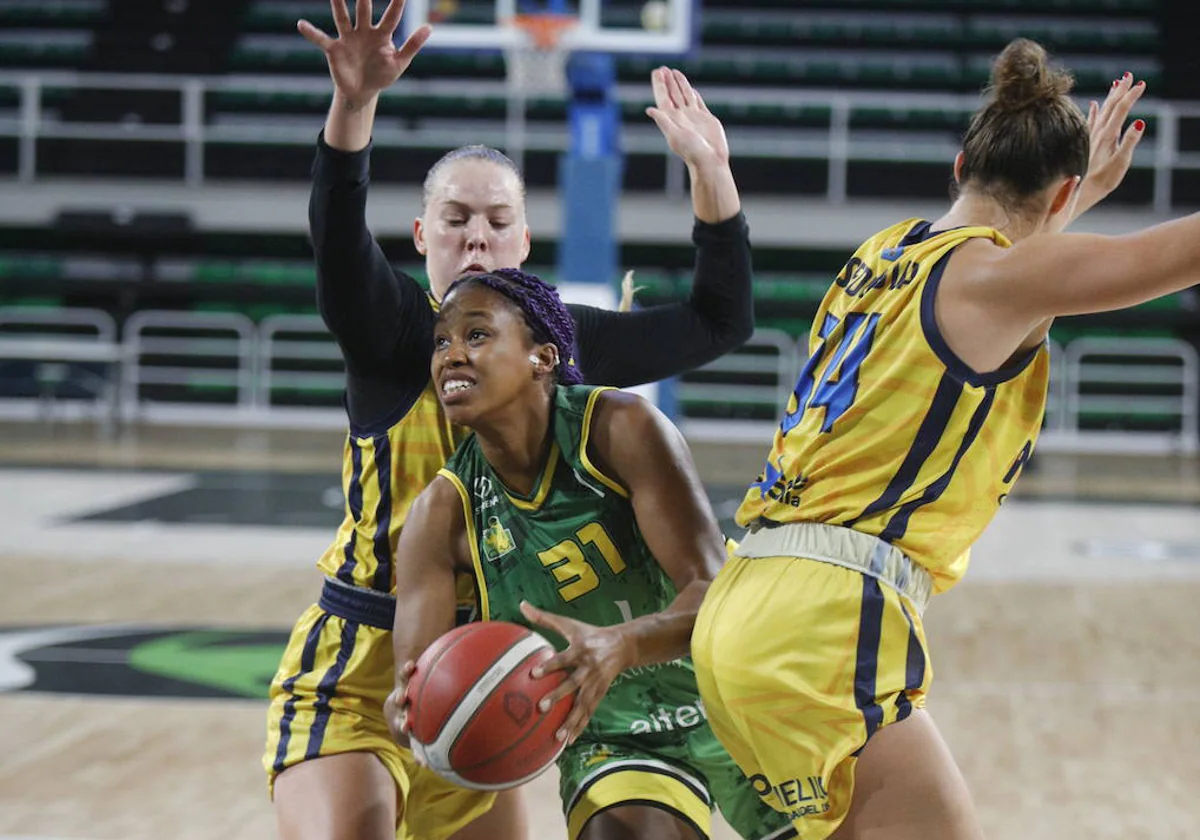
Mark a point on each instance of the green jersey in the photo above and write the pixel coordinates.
(573, 548)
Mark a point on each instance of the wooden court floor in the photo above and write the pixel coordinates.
(1067, 665)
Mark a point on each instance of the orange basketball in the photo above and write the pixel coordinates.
(473, 715)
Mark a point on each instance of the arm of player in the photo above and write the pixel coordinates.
(364, 304)
(647, 345)
(426, 556)
(995, 301)
(381, 319)
(635, 444)
(1003, 293)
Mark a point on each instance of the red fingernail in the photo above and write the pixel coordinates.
(1142, 83)
(1116, 82)
(1127, 75)
(1139, 125)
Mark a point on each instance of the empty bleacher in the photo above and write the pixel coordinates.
(850, 100)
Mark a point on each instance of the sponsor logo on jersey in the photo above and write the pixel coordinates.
(668, 719)
(795, 797)
(485, 493)
(497, 540)
(773, 484)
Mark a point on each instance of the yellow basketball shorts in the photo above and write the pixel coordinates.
(327, 698)
(800, 662)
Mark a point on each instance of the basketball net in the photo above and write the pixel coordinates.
(537, 65)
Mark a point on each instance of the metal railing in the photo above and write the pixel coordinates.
(1056, 395)
(303, 345)
(760, 373)
(838, 142)
(1132, 380)
(207, 351)
(248, 363)
(65, 346)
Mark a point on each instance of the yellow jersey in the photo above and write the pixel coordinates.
(382, 475)
(887, 431)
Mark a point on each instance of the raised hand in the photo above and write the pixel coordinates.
(1112, 144)
(362, 59)
(689, 127)
(594, 656)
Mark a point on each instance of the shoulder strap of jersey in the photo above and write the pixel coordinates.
(587, 398)
(464, 497)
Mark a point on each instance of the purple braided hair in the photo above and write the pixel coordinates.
(543, 310)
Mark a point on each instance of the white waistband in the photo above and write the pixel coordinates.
(843, 547)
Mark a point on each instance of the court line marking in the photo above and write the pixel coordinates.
(15, 674)
(79, 655)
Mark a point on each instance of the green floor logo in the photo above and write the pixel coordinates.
(140, 661)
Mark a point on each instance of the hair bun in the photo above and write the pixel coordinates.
(1022, 77)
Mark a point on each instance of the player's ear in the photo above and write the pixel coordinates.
(419, 235)
(1063, 195)
(544, 359)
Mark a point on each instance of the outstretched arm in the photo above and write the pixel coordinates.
(637, 446)
(433, 535)
(375, 313)
(651, 344)
(381, 320)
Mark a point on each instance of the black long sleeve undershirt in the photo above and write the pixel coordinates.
(383, 322)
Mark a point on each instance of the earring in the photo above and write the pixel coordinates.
(533, 360)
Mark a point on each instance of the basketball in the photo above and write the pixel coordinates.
(473, 715)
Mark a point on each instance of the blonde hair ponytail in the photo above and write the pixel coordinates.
(628, 290)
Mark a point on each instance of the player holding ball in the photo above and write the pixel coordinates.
(577, 510)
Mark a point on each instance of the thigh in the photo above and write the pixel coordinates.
(639, 822)
(350, 796)
(908, 787)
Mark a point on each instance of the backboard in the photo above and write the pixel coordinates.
(653, 27)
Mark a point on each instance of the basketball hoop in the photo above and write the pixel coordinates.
(536, 66)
